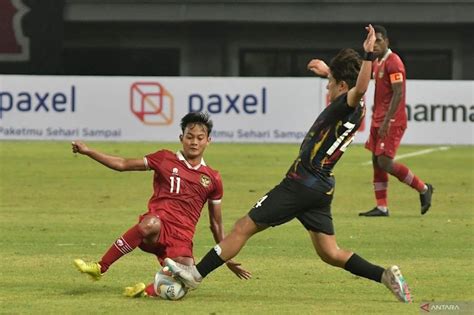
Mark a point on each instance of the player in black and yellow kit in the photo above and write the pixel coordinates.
(306, 191)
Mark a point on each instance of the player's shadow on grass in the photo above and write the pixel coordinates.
(414, 215)
(90, 289)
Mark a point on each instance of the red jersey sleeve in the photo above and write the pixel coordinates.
(395, 69)
(154, 160)
(216, 195)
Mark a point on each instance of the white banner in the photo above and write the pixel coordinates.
(439, 112)
(243, 109)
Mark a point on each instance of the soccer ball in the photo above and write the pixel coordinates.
(167, 287)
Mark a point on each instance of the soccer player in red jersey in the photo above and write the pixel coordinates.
(389, 121)
(306, 192)
(182, 184)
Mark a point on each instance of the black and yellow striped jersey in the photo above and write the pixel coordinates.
(324, 144)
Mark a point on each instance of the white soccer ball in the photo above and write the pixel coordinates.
(167, 287)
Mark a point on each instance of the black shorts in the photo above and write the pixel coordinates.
(290, 200)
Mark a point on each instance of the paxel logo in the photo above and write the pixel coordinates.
(27, 101)
(14, 46)
(229, 103)
(151, 103)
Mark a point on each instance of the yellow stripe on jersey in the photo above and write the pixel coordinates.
(315, 149)
(295, 165)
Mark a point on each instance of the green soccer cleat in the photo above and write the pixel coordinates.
(91, 268)
(136, 291)
(395, 282)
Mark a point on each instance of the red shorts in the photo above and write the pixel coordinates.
(387, 146)
(170, 243)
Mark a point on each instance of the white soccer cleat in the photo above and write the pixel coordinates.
(188, 275)
(394, 281)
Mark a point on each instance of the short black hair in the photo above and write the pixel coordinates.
(382, 30)
(345, 66)
(197, 118)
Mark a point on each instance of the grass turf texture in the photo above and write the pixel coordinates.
(55, 207)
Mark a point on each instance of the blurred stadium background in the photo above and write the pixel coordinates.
(228, 37)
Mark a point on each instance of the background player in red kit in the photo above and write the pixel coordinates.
(389, 121)
(182, 184)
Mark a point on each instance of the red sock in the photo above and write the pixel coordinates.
(124, 245)
(380, 186)
(406, 176)
(150, 290)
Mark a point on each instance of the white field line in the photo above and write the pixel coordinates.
(421, 152)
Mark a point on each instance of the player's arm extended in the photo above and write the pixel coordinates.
(114, 162)
(217, 228)
(355, 94)
(318, 67)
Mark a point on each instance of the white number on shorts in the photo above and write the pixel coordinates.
(259, 203)
(178, 184)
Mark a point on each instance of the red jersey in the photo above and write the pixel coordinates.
(181, 190)
(385, 72)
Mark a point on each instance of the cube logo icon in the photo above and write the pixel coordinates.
(151, 103)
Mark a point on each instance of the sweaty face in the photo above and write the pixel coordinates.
(195, 140)
(381, 45)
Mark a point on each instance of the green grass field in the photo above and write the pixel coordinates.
(55, 207)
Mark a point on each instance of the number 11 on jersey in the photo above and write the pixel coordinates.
(174, 189)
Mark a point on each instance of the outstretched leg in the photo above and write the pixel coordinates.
(148, 230)
(228, 248)
(327, 249)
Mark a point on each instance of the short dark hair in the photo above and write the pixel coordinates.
(197, 118)
(382, 30)
(345, 66)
